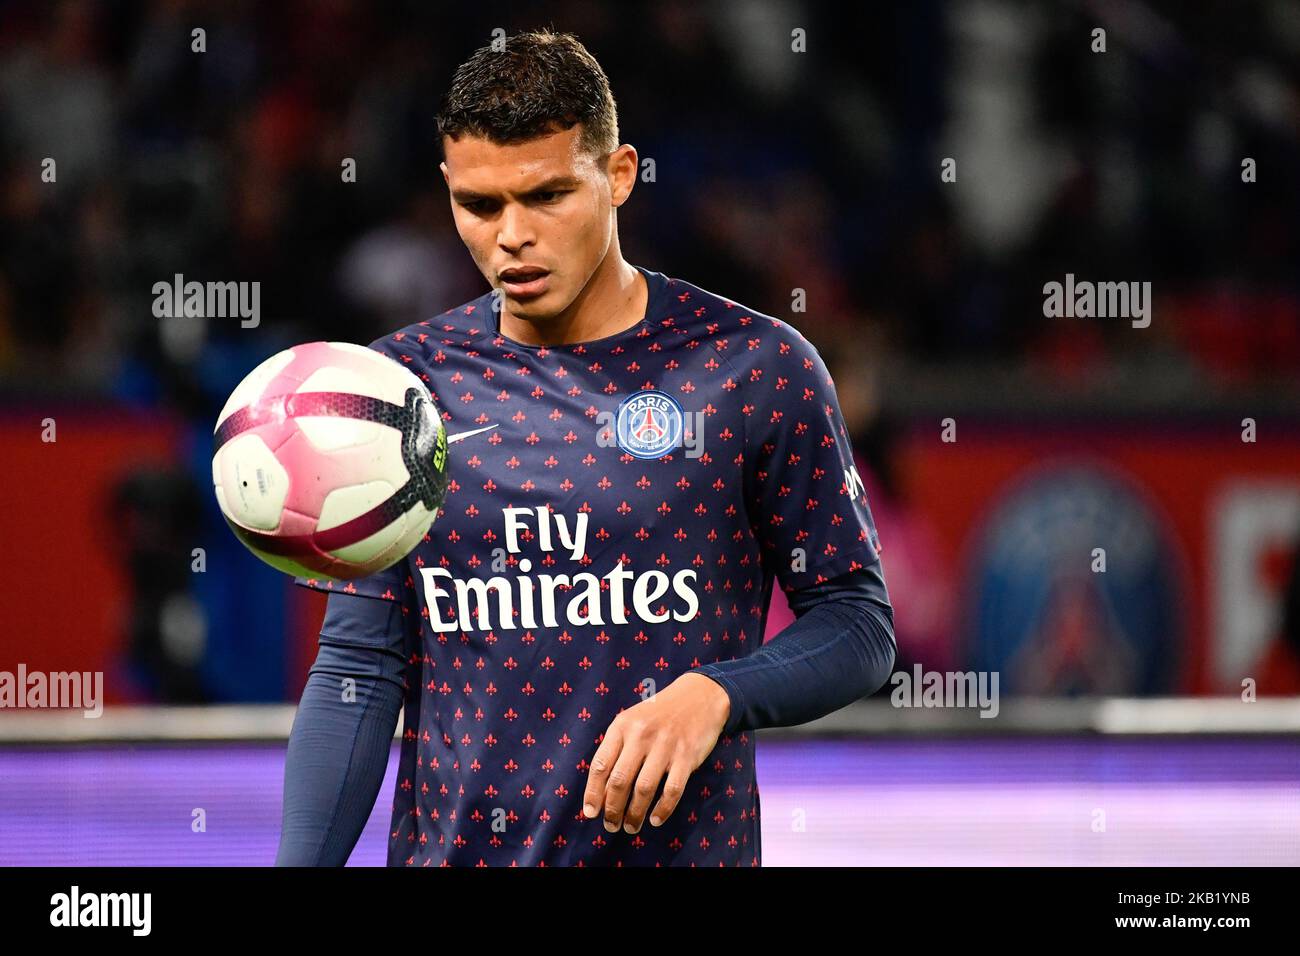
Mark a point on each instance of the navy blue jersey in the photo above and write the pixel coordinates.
(616, 515)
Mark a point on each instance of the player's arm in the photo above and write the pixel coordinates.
(809, 512)
(342, 734)
(839, 648)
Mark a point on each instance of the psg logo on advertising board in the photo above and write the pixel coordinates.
(1078, 588)
(648, 424)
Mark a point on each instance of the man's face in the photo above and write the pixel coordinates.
(538, 216)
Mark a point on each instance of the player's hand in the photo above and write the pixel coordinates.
(668, 734)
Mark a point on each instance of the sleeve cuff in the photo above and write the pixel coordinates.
(735, 716)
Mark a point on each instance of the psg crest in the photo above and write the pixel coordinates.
(648, 424)
(1049, 617)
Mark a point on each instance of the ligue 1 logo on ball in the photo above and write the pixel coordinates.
(648, 424)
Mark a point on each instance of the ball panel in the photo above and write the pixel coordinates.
(356, 381)
(253, 482)
(354, 348)
(221, 500)
(389, 370)
(383, 377)
(418, 520)
(318, 473)
(412, 526)
(293, 554)
(371, 552)
(328, 433)
(255, 384)
(343, 504)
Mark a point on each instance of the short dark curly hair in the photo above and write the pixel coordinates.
(540, 82)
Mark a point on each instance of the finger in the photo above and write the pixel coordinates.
(619, 786)
(643, 791)
(673, 790)
(593, 798)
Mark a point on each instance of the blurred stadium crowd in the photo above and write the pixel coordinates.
(773, 172)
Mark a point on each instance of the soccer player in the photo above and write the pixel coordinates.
(636, 462)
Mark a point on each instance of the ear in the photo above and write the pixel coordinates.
(621, 169)
(445, 178)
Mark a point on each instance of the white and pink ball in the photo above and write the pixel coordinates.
(329, 460)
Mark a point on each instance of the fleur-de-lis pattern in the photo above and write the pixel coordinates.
(501, 723)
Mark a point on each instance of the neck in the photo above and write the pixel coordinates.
(614, 299)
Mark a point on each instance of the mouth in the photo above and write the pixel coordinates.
(524, 282)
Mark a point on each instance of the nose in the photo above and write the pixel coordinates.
(514, 232)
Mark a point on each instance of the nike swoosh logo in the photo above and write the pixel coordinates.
(457, 437)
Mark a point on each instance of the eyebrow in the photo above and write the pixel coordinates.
(547, 185)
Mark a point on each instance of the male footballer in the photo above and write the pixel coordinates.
(578, 641)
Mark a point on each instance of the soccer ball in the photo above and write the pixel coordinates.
(329, 460)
